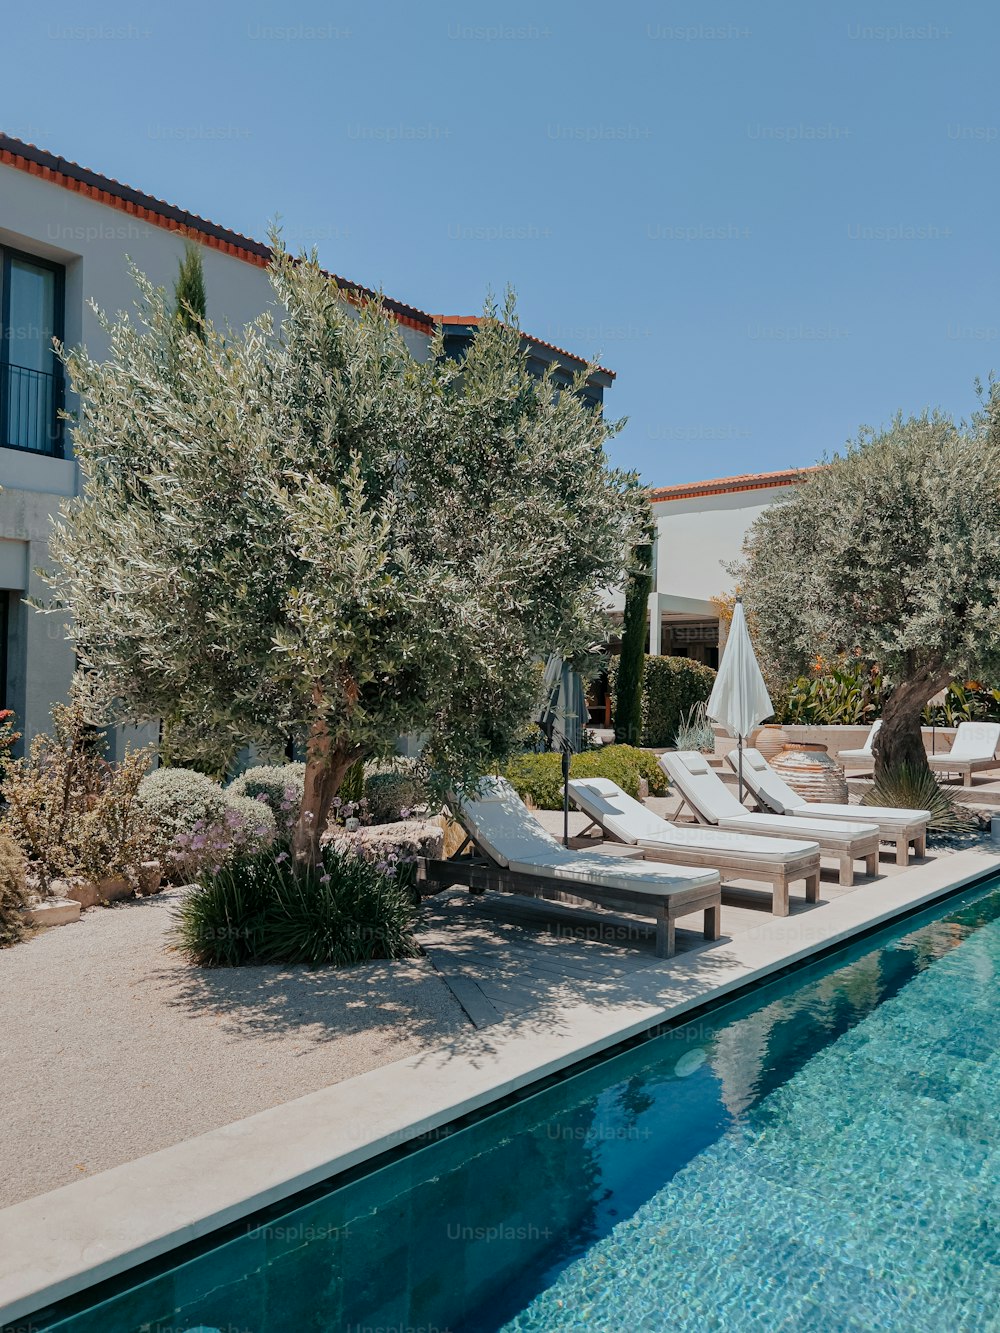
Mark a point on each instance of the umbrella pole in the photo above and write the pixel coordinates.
(565, 770)
(739, 747)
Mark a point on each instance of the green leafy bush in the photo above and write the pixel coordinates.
(352, 789)
(279, 786)
(909, 788)
(964, 701)
(670, 687)
(257, 910)
(538, 777)
(13, 891)
(849, 695)
(393, 795)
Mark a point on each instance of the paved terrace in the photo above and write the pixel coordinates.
(504, 956)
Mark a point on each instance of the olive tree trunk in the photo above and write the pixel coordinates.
(899, 739)
(326, 765)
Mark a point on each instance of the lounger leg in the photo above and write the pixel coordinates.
(664, 933)
(920, 846)
(871, 864)
(967, 779)
(713, 922)
(812, 888)
(902, 851)
(779, 898)
(846, 871)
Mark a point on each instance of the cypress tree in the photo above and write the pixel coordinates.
(628, 696)
(189, 293)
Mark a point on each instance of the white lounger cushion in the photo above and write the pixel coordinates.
(628, 819)
(865, 753)
(774, 791)
(974, 741)
(505, 828)
(716, 803)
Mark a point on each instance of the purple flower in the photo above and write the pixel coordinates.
(282, 856)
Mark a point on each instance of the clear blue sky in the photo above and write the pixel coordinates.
(776, 221)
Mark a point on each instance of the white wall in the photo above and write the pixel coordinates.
(696, 538)
(91, 240)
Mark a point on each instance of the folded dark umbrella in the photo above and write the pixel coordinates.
(562, 716)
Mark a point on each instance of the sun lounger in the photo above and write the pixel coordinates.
(900, 827)
(704, 792)
(512, 853)
(735, 855)
(974, 748)
(863, 758)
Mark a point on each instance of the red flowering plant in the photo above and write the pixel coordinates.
(8, 737)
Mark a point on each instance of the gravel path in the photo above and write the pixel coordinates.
(113, 1047)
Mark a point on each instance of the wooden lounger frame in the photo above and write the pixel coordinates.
(805, 866)
(845, 858)
(478, 872)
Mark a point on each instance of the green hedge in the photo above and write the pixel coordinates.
(670, 686)
(538, 777)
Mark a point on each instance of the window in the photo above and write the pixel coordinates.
(30, 375)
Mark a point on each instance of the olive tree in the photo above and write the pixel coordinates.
(298, 529)
(890, 553)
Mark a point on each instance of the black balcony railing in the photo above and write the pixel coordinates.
(29, 405)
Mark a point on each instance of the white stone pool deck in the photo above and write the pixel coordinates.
(575, 996)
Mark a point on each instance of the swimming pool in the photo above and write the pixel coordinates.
(823, 1153)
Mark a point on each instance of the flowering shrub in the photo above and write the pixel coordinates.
(72, 812)
(197, 826)
(185, 813)
(13, 891)
(279, 786)
(351, 908)
(245, 828)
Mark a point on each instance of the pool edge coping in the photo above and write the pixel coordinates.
(145, 1208)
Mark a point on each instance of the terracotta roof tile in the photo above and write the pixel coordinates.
(747, 481)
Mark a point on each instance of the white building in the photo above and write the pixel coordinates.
(65, 233)
(700, 528)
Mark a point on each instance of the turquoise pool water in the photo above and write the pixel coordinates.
(823, 1154)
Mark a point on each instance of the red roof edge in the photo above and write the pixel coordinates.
(750, 481)
(105, 190)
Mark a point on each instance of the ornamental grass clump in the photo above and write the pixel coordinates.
(906, 787)
(350, 909)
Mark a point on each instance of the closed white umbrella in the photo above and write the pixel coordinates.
(739, 700)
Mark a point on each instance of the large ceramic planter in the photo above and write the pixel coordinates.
(770, 741)
(812, 772)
